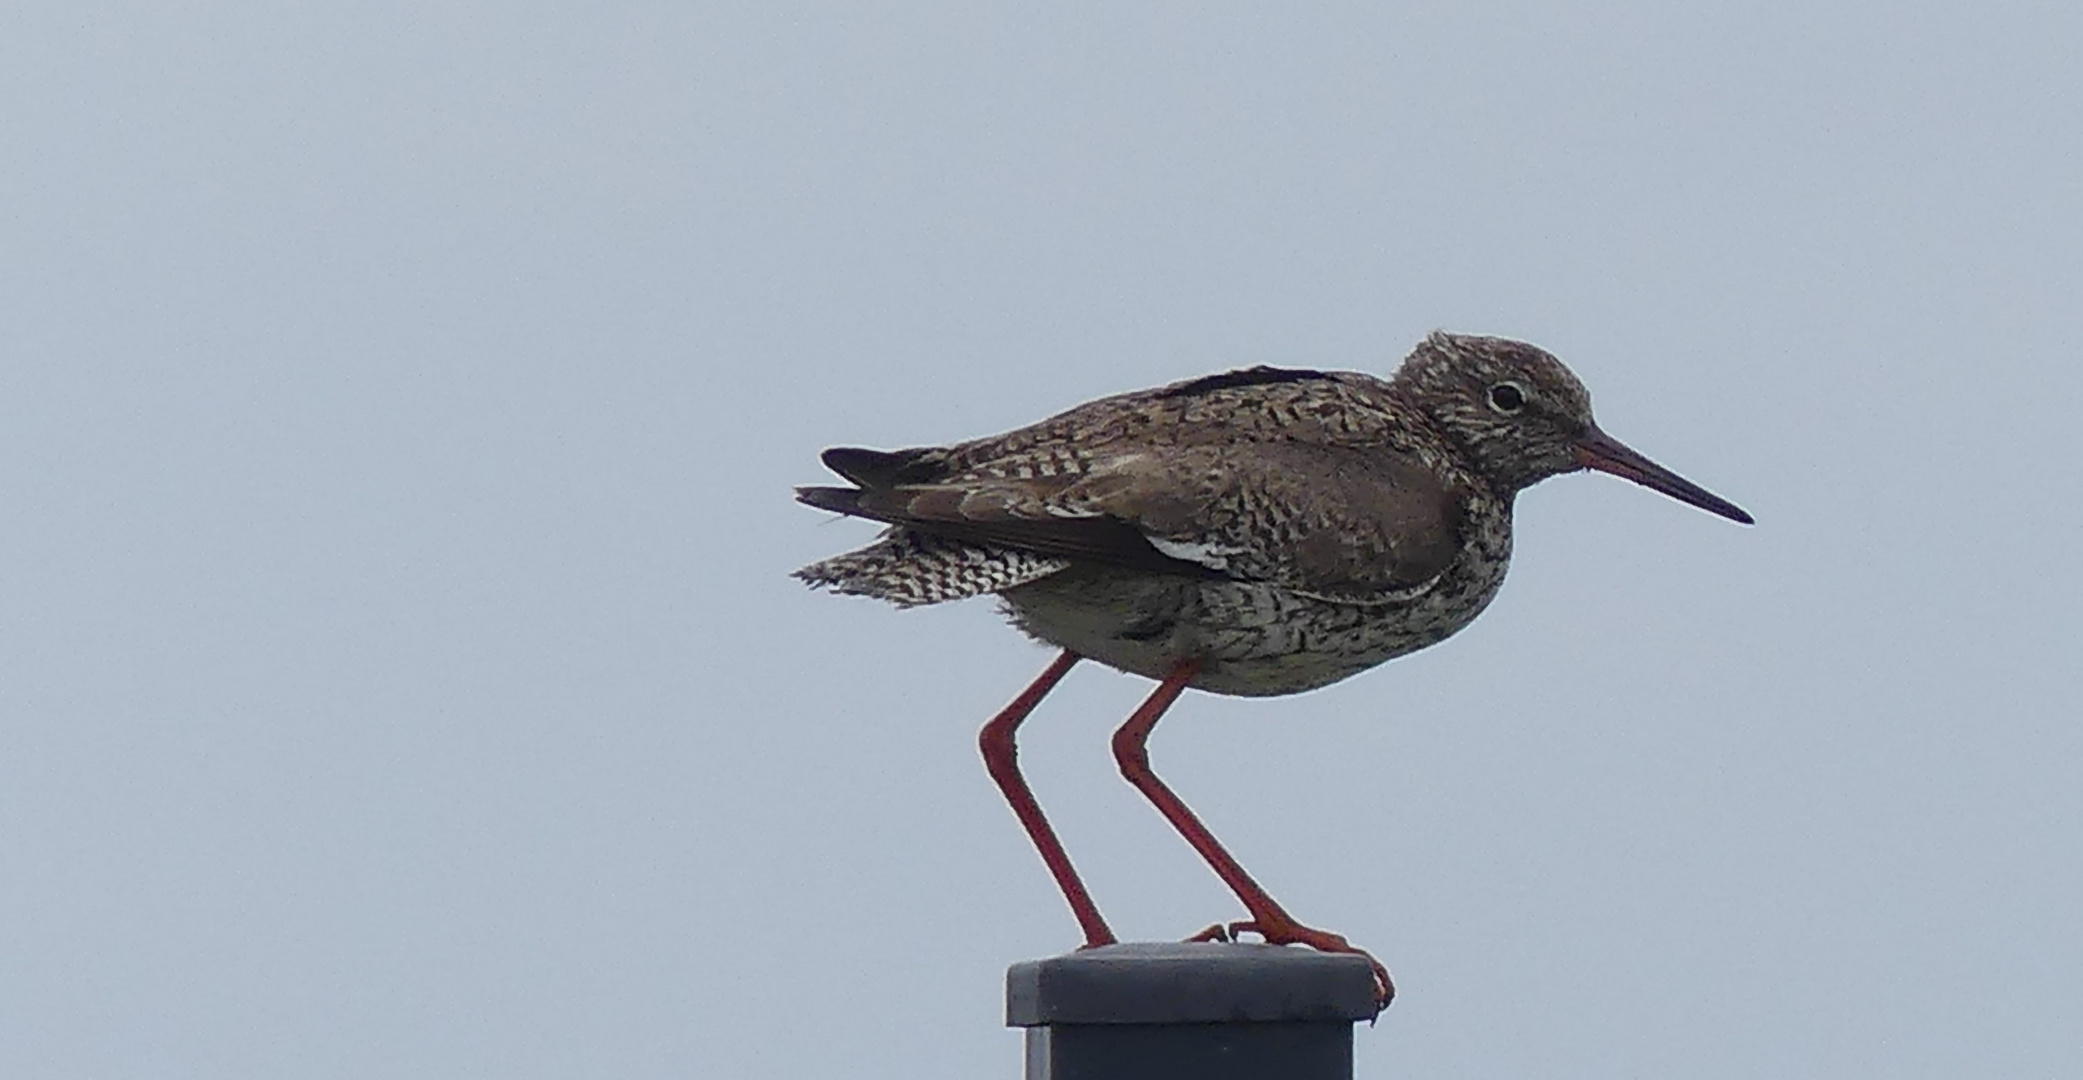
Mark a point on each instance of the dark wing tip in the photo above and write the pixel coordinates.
(837, 500)
(882, 468)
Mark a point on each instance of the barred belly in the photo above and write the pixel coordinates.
(1253, 639)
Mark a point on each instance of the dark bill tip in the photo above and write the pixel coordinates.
(1598, 450)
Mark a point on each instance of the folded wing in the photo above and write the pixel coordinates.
(1344, 523)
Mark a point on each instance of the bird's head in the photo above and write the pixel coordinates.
(1524, 417)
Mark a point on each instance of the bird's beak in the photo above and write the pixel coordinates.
(1598, 450)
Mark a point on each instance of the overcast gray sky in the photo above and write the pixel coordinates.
(399, 675)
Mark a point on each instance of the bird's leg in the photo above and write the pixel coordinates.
(1268, 918)
(1001, 758)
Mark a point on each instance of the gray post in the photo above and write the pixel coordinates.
(1205, 1011)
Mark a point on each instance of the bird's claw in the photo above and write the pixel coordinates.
(1293, 933)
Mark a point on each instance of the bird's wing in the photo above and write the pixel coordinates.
(1002, 514)
(1336, 521)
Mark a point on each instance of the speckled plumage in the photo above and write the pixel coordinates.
(1288, 528)
(909, 568)
(1258, 532)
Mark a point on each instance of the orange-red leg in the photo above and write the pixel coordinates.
(1001, 758)
(1268, 918)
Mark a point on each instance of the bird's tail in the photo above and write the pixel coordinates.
(910, 568)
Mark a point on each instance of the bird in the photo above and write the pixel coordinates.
(1258, 532)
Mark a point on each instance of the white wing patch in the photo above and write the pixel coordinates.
(1212, 556)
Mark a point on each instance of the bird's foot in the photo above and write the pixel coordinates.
(1289, 932)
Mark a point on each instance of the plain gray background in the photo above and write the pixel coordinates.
(399, 405)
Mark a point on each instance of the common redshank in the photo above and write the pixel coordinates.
(1258, 532)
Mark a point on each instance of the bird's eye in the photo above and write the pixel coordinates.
(1507, 397)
